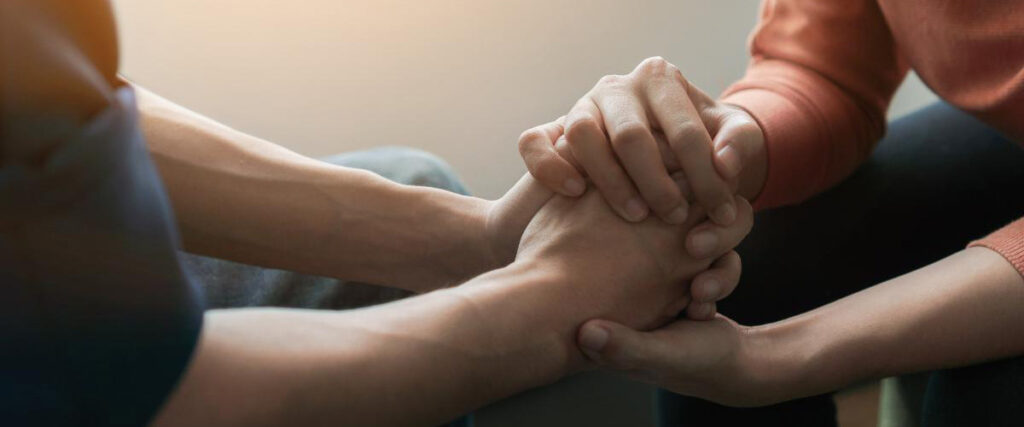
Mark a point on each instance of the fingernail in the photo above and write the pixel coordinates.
(730, 159)
(703, 244)
(594, 338)
(677, 216)
(636, 210)
(711, 290)
(574, 186)
(725, 214)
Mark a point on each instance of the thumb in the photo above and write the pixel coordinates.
(738, 142)
(619, 347)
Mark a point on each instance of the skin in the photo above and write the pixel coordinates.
(550, 263)
(973, 297)
(651, 140)
(438, 355)
(242, 198)
(612, 136)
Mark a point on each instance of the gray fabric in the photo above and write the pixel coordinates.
(232, 284)
(901, 400)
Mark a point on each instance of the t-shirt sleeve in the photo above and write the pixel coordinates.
(821, 77)
(98, 318)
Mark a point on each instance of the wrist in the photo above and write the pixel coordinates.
(786, 359)
(464, 251)
(804, 356)
(540, 314)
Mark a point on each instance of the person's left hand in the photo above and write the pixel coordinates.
(717, 360)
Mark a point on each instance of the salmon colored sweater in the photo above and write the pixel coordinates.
(823, 72)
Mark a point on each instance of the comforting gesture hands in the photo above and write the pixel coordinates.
(647, 141)
(611, 136)
(651, 140)
(636, 274)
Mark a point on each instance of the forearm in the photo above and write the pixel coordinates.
(420, 361)
(245, 199)
(965, 309)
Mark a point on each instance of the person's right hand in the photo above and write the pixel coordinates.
(633, 273)
(610, 135)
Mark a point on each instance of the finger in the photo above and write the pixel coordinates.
(690, 142)
(701, 311)
(668, 158)
(709, 240)
(736, 144)
(619, 347)
(563, 150)
(585, 135)
(684, 186)
(718, 281)
(631, 139)
(537, 147)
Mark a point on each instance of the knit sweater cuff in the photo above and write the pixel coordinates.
(1008, 242)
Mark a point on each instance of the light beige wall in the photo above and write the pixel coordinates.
(460, 78)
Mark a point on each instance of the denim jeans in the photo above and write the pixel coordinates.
(939, 179)
(231, 284)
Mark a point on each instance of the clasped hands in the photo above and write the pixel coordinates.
(647, 141)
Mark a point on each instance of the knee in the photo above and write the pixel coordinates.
(406, 165)
(418, 167)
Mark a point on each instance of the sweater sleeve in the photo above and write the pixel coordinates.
(820, 79)
(1008, 242)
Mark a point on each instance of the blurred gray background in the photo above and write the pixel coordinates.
(460, 78)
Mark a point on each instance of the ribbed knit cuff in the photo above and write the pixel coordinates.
(794, 156)
(1008, 242)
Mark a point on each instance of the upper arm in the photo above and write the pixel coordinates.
(98, 317)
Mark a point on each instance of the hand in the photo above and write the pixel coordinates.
(631, 273)
(703, 241)
(507, 217)
(611, 135)
(718, 360)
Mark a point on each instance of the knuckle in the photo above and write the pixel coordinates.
(656, 64)
(629, 135)
(746, 133)
(548, 168)
(527, 138)
(611, 80)
(579, 128)
(688, 138)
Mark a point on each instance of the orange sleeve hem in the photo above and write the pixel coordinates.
(815, 134)
(1008, 242)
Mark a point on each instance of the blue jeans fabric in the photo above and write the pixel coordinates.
(939, 179)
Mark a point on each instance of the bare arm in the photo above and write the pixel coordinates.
(245, 199)
(420, 361)
(430, 358)
(967, 308)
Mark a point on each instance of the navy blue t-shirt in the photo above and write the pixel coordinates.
(98, 318)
